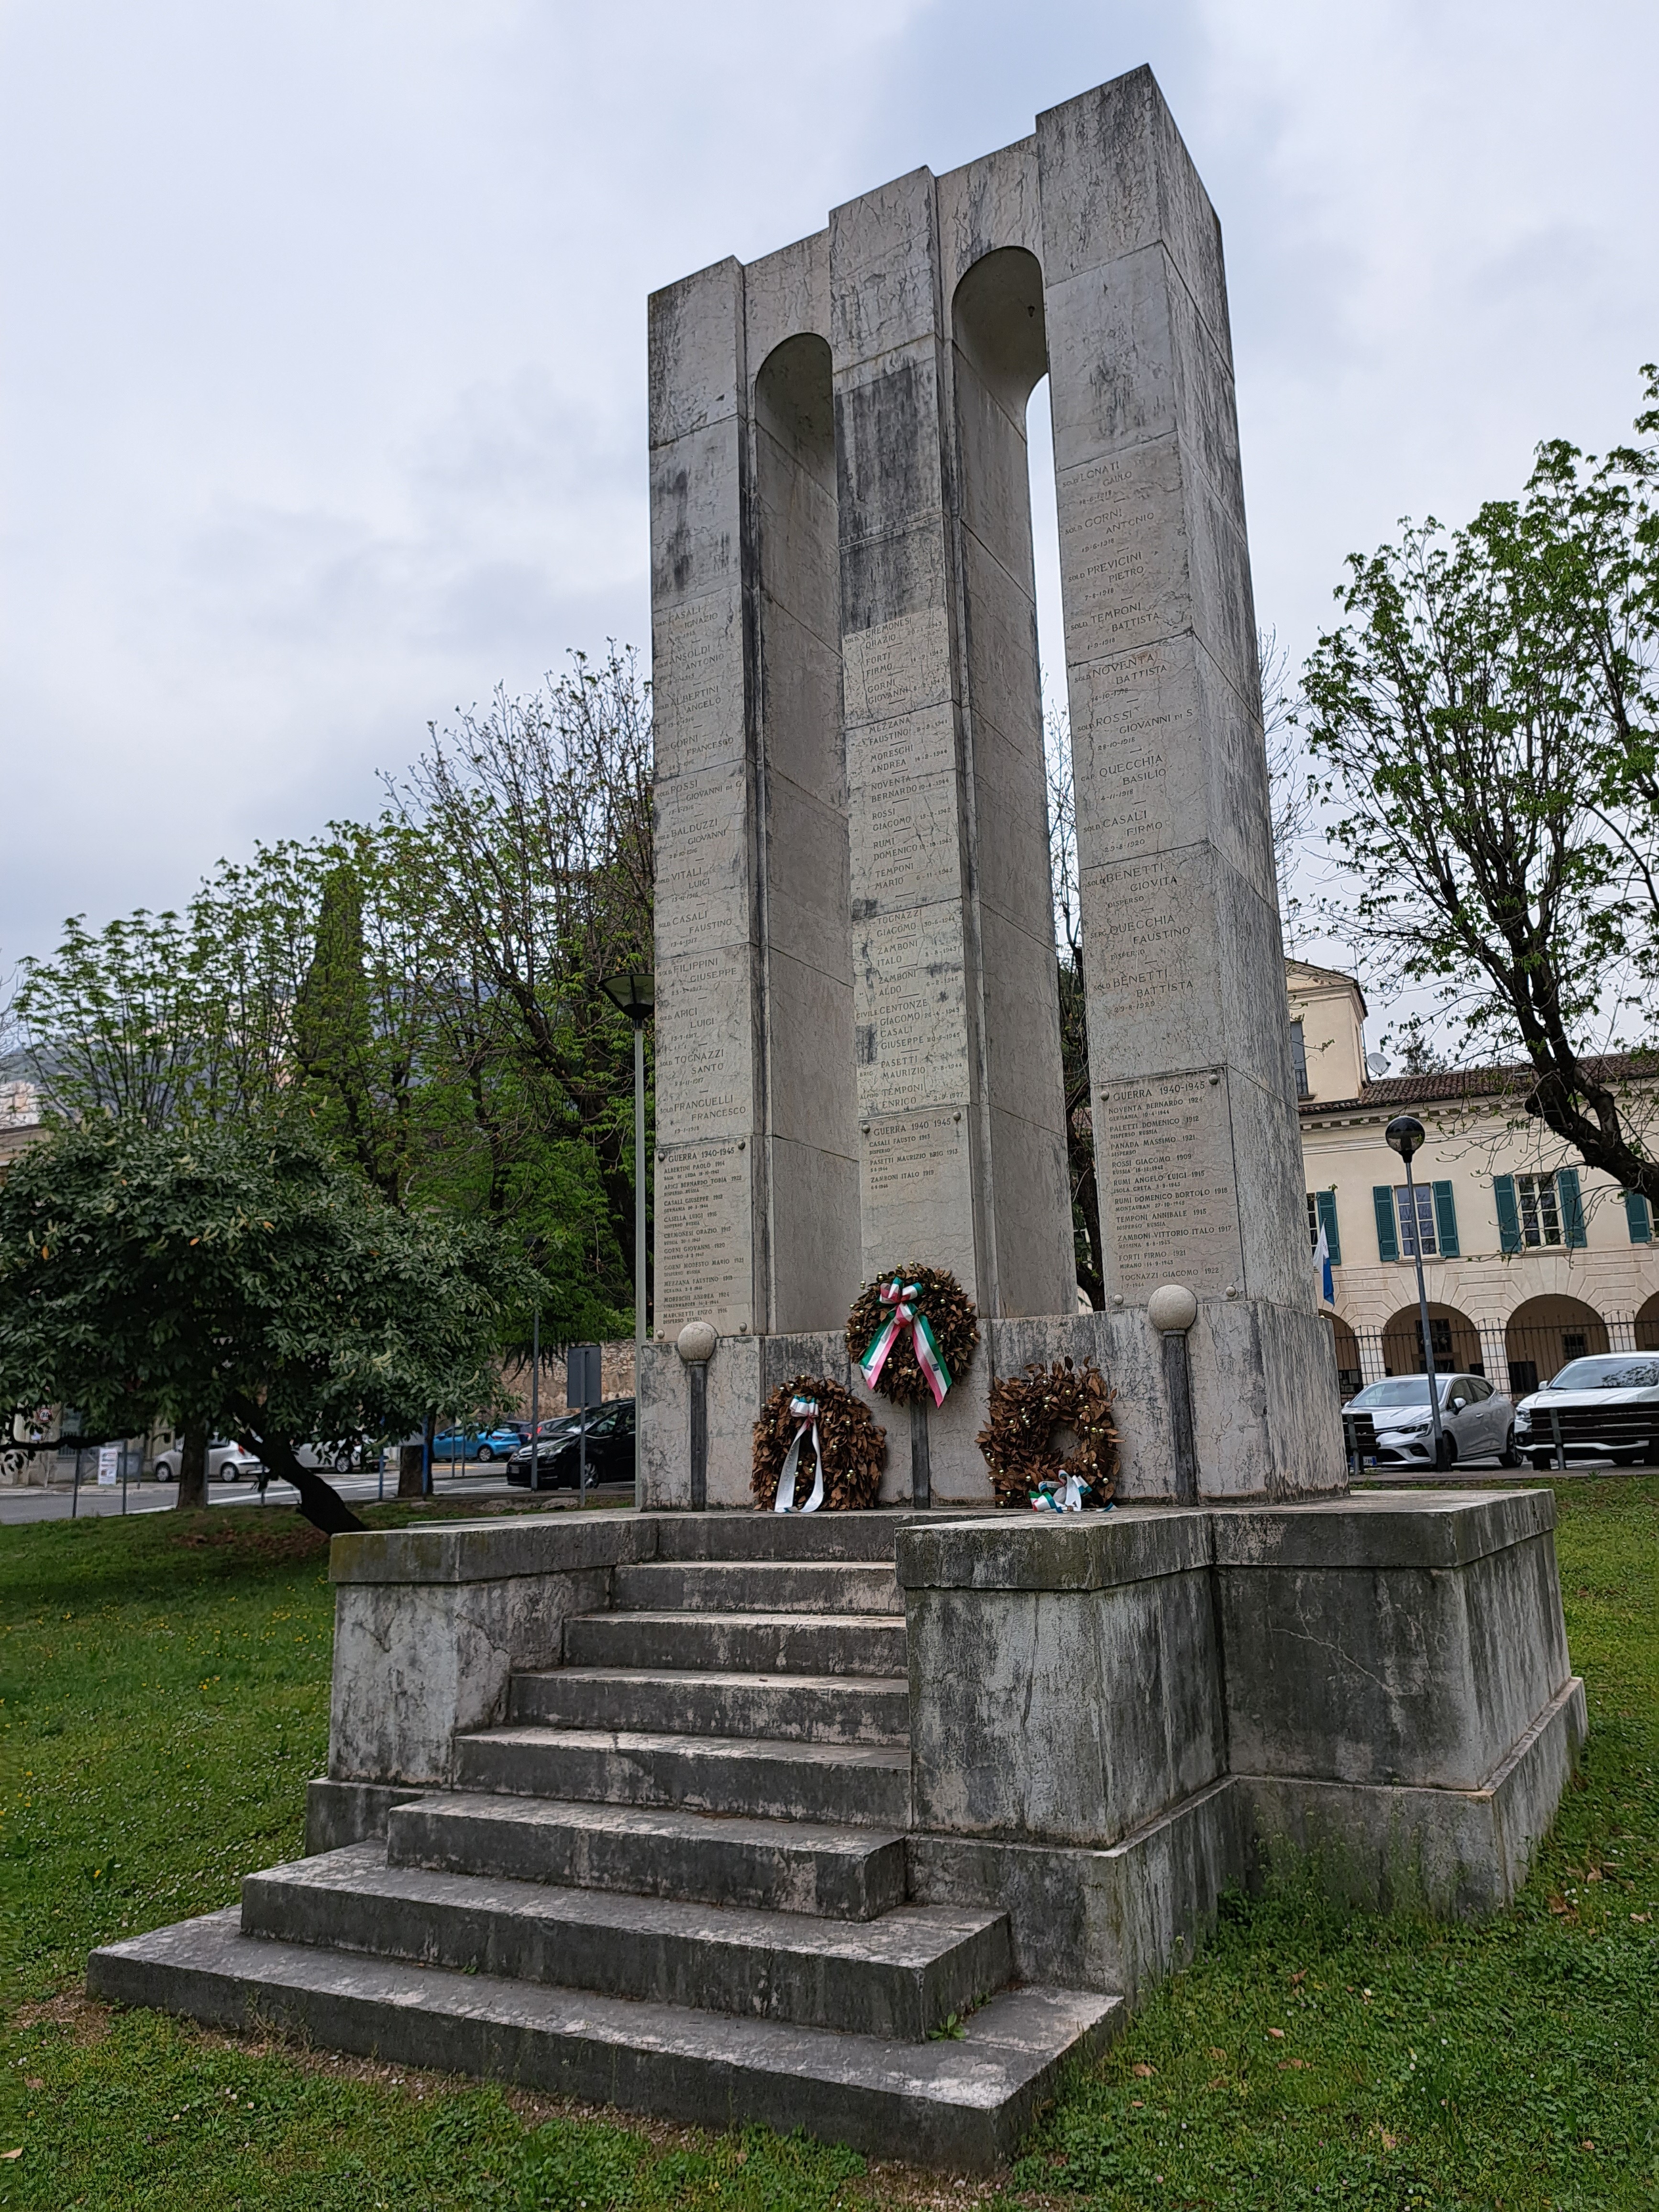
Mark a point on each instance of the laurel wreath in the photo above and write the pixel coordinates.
(951, 1316)
(1018, 1440)
(855, 1447)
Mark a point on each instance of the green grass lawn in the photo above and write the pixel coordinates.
(164, 1696)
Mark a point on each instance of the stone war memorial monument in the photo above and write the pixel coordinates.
(714, 1813)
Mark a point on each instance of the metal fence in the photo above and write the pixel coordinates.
(1518, 1358)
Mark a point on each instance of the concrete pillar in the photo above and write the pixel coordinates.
(1199, 1158)
(962, 1158)
(757, 1179)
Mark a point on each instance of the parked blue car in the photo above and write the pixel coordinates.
(468, 1443)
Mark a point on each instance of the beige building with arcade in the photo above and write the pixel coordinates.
(1530, 1258)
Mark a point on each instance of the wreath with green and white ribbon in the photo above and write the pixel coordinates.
(1027, 1466)
(812, 1432)
(911, 1333)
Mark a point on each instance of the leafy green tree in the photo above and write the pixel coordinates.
(541, 808)
(239, 1281)
(1489, 716)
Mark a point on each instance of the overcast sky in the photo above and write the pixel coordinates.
(322, 332)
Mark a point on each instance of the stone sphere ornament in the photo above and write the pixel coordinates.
(1172, 1308)
(1027, 1413)
(696, 1343)
(912, 1333)
(839, 1435)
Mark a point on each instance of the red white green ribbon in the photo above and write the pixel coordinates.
(805, 1411)
(901, 1297)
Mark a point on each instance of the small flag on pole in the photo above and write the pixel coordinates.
(1322, 1261)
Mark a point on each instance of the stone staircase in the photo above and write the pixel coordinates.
(674, 1880)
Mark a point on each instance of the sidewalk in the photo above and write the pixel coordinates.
(56, 1501)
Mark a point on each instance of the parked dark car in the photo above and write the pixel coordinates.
(609, 1450)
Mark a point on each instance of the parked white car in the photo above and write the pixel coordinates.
(1606, 1406)
(227, 1461)
(1476, 1421)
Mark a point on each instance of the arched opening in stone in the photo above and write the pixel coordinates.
(1542, 1335)
(1454, 1337)
(1647, 1325)
(1000, 354)
(811, 1194)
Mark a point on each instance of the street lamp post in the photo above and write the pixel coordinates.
(1406, 1134)
(635, 995)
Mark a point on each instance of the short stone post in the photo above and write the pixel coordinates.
(921, 1466)
(1172, 1310)
(695, 1344)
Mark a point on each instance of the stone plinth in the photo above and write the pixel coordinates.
(1247, 1434)
(428, 1623)
(1114, 1720)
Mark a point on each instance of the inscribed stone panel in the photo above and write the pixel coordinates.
(904, 837)
(1137, 756)
(696, 683)
(704, 1044)
(886, 573)
(915, 1191)
(894, 667)
(1169, 1184)
(705, 1267)
(701, 860)
(909, 1007)
(1153, 974)
(1122, 551)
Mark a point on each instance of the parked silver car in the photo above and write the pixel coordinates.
(226, 1460)
(1606, 1406)
(1476, 1421)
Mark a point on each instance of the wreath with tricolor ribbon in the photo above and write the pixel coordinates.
(1027, 1466)
(816, 1447)
(911, 1333)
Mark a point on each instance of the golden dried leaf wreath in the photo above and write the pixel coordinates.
(854, 1448)
(1018, 1440)
(950, 1314)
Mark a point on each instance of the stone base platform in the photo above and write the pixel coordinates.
(723, 1816)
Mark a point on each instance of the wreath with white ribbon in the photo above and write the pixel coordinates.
(912, 1333)
(1027, 1466)
(813, 1430)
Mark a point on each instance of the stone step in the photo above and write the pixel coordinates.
(898, 1976)
(741, 1642)
(796, 1707)
(790, 1866)
(751, 1535)
(963, 2104)
(758, 1586)
(861, 1785)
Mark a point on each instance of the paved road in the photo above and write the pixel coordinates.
(55, 1502)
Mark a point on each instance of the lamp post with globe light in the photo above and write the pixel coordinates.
(1406, 1134)
(635, 995)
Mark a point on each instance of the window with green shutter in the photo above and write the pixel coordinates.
(1639, 1214)
(1572, 1206)
(1388, 1242)
(1508, 1213)
(1326, 1202)
(1445, 1221)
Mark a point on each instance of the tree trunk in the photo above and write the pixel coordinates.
(193, 1469)
(412, 1462)
(321, 1502)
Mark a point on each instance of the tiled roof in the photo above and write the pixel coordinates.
(1447, 1084)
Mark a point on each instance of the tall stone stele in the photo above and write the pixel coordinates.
(859, 1054)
